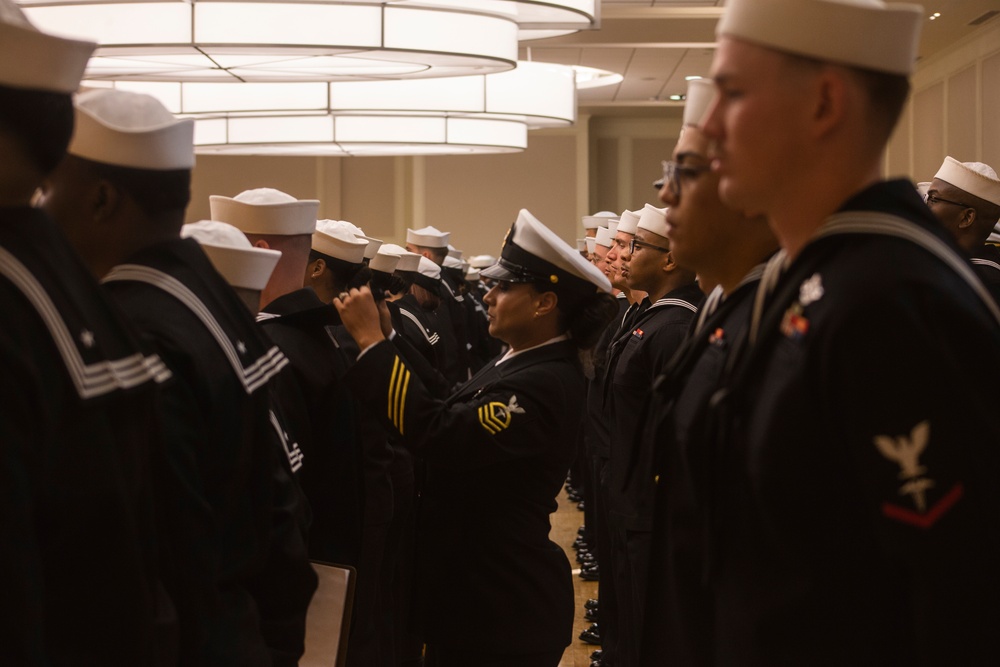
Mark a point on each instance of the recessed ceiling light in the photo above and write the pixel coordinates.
(677, 98)
(694, 77)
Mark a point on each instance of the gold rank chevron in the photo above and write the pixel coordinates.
(494, 417)
(399, 382)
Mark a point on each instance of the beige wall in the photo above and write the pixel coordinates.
(954, 109)
(601, 163)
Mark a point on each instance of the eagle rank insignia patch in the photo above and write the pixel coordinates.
(495, 416)
(905, 450)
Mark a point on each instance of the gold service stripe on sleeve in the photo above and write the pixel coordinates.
(402, 400)
(398, 382)
(392, 382)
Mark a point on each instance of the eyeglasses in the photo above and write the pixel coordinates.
(933, 199)
(673, 173)
(636, 243)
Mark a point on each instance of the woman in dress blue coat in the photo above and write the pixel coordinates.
(494, 589)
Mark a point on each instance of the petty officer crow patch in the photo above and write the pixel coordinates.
(905, 450)
(495, 416)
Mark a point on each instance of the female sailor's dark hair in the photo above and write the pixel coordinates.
(343, 275)
(584, 317)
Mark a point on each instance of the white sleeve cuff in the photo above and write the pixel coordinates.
(392, 334)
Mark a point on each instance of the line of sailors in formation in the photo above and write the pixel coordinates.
(167, 481)
(716, 546)
(665, 323)
(794, 468)
(646, 464)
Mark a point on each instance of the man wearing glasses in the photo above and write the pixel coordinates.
(727, 249)
(637, 357)
(965, 197)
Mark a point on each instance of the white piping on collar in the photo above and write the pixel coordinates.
(510, 354)
(90, 380)
(252, 377)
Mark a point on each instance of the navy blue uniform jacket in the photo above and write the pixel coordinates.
(854, 504)
(497, 453)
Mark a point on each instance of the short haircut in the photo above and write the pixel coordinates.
(41, 121)
(886, 94)
(437, 254)
(158, 193)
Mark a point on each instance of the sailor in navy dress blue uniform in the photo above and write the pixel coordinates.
(965, 197)
(635, 360)
(497, 452)
(727, 249)
(78, 566)
(234, 559)
(911, 535)
(852, 509)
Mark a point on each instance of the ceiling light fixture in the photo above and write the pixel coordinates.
(357, 135)
(537, 19)
(204, 40)
(480, 114)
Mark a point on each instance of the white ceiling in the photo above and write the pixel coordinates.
(655, 44)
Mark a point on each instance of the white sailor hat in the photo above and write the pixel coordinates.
(343, 224)
(532, 253)
(581, 245)
(700, 93)
(373, 243)
(133, 130)
(604, 237)
(613, 226)
(385, 260)
(428, 275)
(976, 178)
(628, 222)
(472, 275)
(232, 255)
(599, 219)
(372, 248)
(922, 188)
(454, 267)
(336, 239)
(409, 262)
(428, 237)
(454, 252)
(266, 211)
(451, 262)
(34, 60)
(591, 244)
(482, 261)
(869, 34)
(653, 220)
